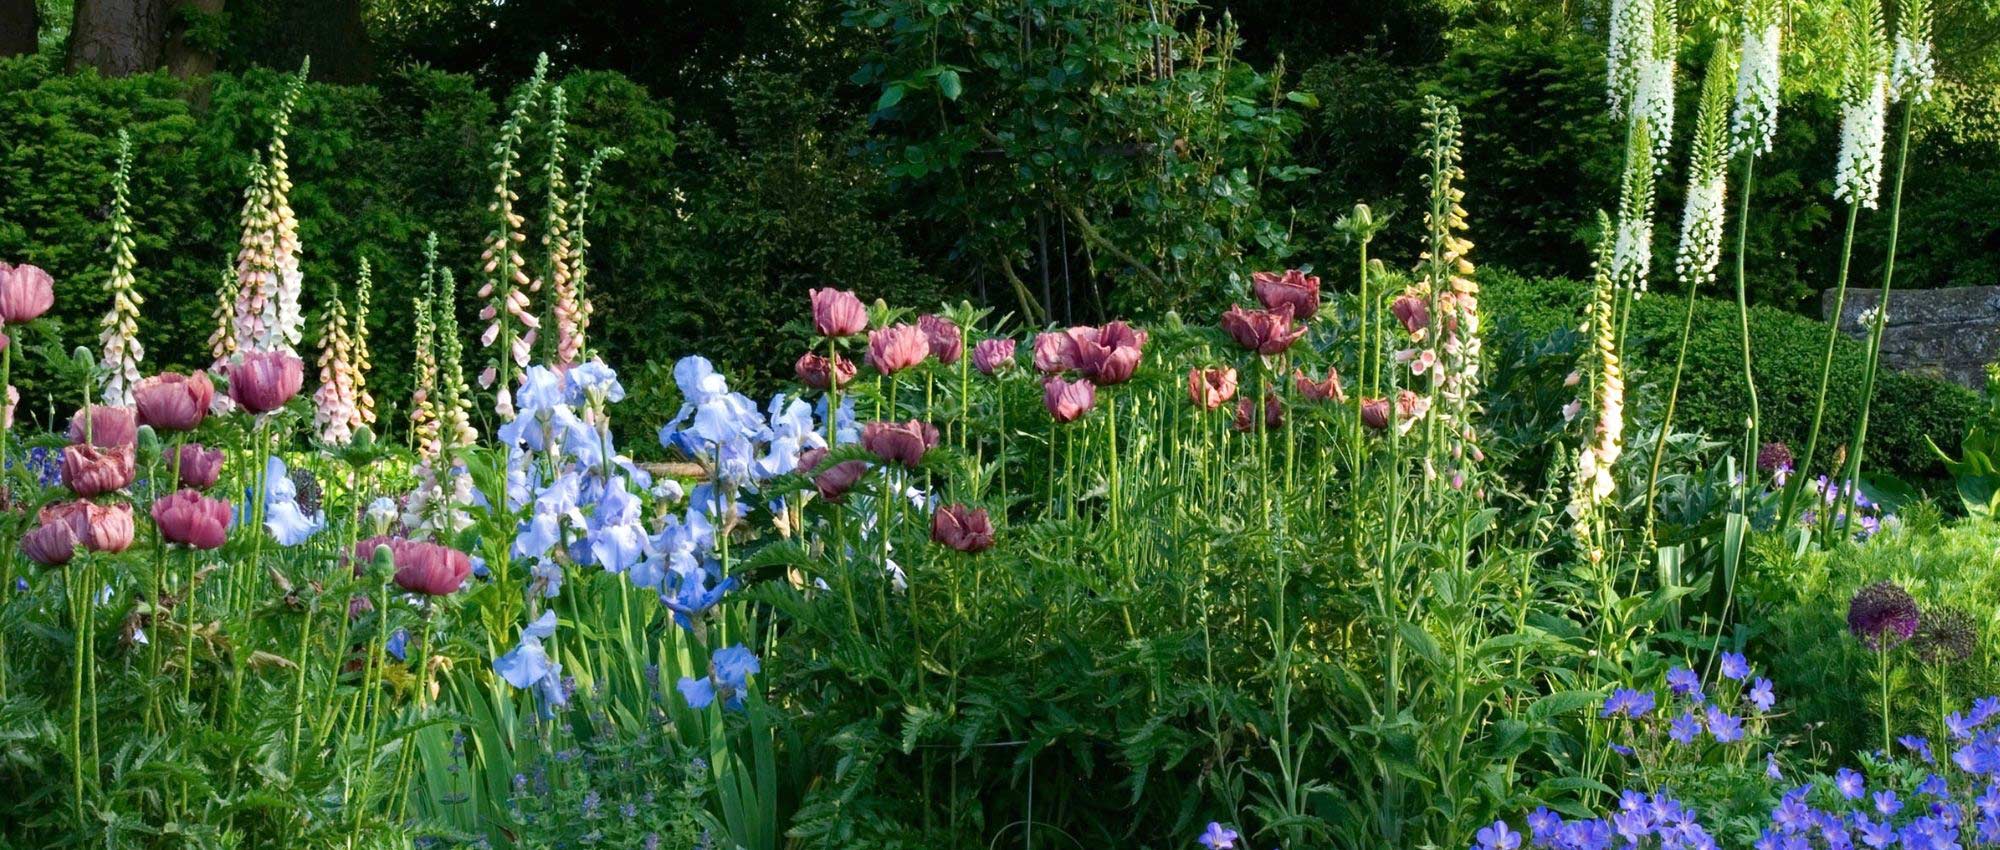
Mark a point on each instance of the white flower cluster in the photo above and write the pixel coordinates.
(1631, 46)
(1863, 117)
(1701, 228)
(1632, 252)
(1654, 101)
(1755, 121)
(1913, 71)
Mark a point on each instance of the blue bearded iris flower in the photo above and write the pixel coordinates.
(594, 381)
(728, 679)
(287, 521)
(694, 596)
(529, 666)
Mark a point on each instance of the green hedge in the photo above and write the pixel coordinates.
(1787, 350)
(704, 240)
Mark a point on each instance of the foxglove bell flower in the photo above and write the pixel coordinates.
(897, 347)
(1068, 401)
(26, 292)
(192, 520)
(1211, 388)
(965, 529)
(174, 402)
(837, 313)
(1292, 287)
(992, 356)
(266, 380)
(1264, 332)
(899, 442)
(947, 342)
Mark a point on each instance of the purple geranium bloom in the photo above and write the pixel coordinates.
(1761, 696)
(1727, 728)
(1628, 702)
(1734, 667)
(1498, 837)
(1850, 783)
(1934, 785)
(1684, 683)
(1218, 837)
(1874, 834)
(1918, 745)
(1960, 726)
(1684, 728)
(1544, 826)
(1886, 803)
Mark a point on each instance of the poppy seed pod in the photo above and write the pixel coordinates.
(837, 313)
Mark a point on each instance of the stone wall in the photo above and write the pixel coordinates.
(1946, 333)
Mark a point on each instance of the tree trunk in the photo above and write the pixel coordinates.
(117, 37)
(20, 30)
(185, 57)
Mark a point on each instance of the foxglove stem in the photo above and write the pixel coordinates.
(1799, 477)
(1881, 314)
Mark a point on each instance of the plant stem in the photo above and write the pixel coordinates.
(1804, 469)
(1756, 423)
(1881, 317)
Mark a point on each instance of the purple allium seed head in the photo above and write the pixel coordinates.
(1946, 635)
(1773, 457)
(1882, 614)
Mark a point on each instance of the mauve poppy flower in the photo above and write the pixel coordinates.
(1324, 390)
(1055, 352)
(897, 347)
(26, 292)
(200, 466)
(813, 372)
(174, 402)
(1293, 287)
(99, 528)
(265, 380)
(1375, 413)
(90, 471)
(1266, 332)
(430, 569)
(191, 519)
(899, 442)
(1108, 355)
(1211, 388)
(991, 356)
(964, 529)
(1274, 414)
(834, 481)
(51, 544)
(837, 313)
(1411, 310)
(946, 341)
(109, 426)
(1068, 401)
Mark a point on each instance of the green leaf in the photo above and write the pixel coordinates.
(890, 97)
(949, 84)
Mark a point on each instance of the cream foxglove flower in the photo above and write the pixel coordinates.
(120, 335)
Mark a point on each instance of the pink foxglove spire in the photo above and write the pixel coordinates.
(120, 334)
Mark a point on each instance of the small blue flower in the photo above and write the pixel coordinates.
(21, 585)
(1761, 696)
(1886, 803)
(1620, 749)
(1850, 783)
(1627, 702)
(1498, 837)
(1961, 727)
(1918, 745)
(1771, 767)
(1544, 826)
(1684, 728)
(398, 644)
(1734, 667)
(1684, 683)
(1727, 728)
(1218, 837)
(1934, 785)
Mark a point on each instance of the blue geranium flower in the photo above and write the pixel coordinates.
(1919, 746)
(398, 644)
(1727, 728)
(1760, 694)
(1850, 783)
(1684, 683)
(1735, 667)
(1628, 702)
(1218, 837)
(1684, 728)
